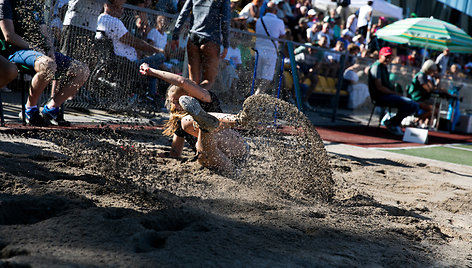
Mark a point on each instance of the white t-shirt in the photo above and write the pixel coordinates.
(363, 18)
(353, 27)
(234, 56)
(246, 13)
(275, 27)
(115, 29)
(159, 40)
(83, 13)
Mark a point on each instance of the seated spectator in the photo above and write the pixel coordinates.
(227, 78)
(414, 59)
(421, 88)
(307, 59)
(333, 59)
(358, 92)
(125, 44)
(312, 33)
(346, 37)
(24, 34)
(80, 23)
(157, 36)
(251, 12)
(383, 93)
(351, 23)
(237, 21)
(325, 31)
(299, 31)
(311, 17)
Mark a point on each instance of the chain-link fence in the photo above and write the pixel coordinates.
(304, 73)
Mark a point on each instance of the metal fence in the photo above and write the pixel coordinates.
(114, 84)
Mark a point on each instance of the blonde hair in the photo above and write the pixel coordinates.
(172, 124)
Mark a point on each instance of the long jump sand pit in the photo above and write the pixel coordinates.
(96, 197)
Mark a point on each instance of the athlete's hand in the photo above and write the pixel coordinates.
(144, 69)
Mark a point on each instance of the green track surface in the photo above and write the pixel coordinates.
(446, 154)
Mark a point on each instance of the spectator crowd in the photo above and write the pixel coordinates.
(321, 37)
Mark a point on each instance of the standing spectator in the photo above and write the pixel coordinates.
(27, 41)
(78, 33)
(210, 22)
(268, 48)
(351, 23)
(251, 12)
(56, 22)
(364, 17)
(443, 61)
(343, 10)
(383, 93)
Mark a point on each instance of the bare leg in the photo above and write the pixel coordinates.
(9, 71)
(194, 62)
(210, 60)
(217, 147)
(45, 68)
(78, 73)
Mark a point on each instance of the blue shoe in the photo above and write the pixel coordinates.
(33, 118)
(54, 116)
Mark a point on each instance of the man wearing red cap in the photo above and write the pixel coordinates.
(383, 93)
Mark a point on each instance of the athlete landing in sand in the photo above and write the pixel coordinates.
(196, 117)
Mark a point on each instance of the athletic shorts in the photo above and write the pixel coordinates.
(198, 40)
(29, 57)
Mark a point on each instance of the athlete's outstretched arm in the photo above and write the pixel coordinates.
(188, 85)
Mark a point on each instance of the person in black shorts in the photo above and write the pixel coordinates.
(196, 117)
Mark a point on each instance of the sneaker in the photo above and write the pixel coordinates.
(395, 130)
(204, 120)
(54, 117)
(33, 117)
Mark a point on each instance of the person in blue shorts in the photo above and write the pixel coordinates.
(25, 40)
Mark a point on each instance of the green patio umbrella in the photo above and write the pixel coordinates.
(429, 33)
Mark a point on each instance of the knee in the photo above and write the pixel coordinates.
(46, 67)
(8, 75)
(79, 70)
(11, 72)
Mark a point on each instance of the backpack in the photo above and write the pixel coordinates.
(344, 3)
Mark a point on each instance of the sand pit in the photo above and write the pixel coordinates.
(101, 197)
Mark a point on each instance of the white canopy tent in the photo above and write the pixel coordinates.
(381, 8)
